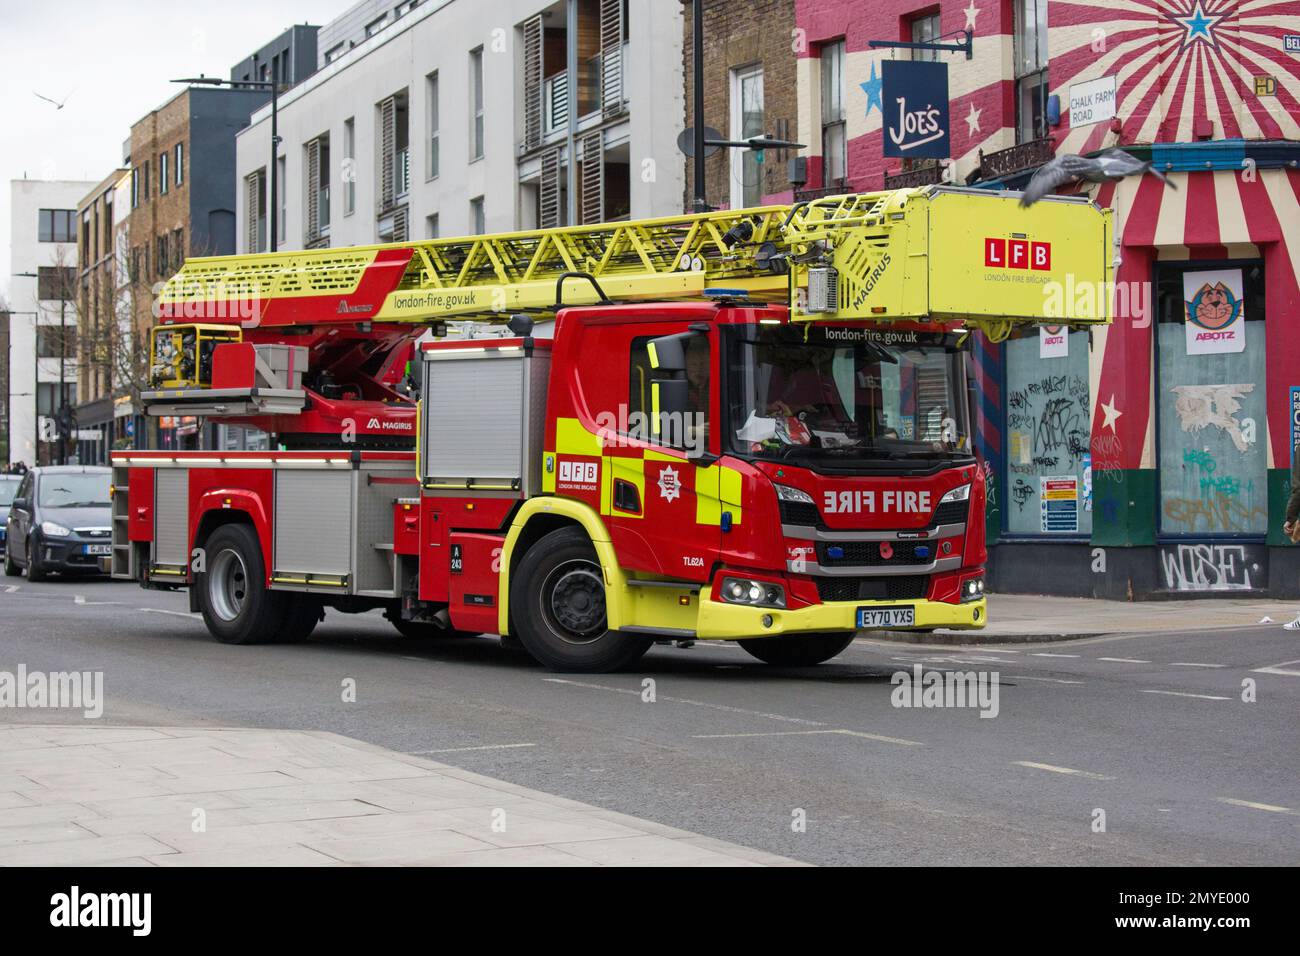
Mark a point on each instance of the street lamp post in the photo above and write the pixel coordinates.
(202, 80)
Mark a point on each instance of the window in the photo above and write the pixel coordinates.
(281, 199)
(1211, 404)
(1048, 433)
(375, 25)
(255, 208)
(746, 121)
(164, 181)
(349, 168)
(334, 52)
(57, 225)
(431, 90)
(178, 248)
(691, 433)
(49, 337)
(925, 29)
(161, 258)
(180, 163)
(144, 181)
(476, 221)
(431, 226)
(47, 393)
(54, 283)
(834, 140)
(476, 103)
(1031, 69)
(135, 187)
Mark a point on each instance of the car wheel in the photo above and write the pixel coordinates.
(797, 650)
(557, 602)
(11, 570)
(34, 571)
(237, 606)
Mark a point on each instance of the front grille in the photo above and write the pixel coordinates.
(951, 512)
(800, 513)
(867, 553)
(905, 587)
(806, 515)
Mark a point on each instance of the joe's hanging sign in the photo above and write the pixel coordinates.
(916, 109)
(1215, 311)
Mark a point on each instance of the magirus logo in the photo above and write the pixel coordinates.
(345, 309)
(391, 426)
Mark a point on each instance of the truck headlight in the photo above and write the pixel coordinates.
(54, 530)
(960, 493)
(786, 493)
(972, 589)
(752, 593)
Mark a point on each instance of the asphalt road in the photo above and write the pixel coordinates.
(1150, 729)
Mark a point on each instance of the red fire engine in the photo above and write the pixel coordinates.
(748, 424)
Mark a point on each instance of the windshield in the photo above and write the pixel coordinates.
(846, 395)
(8, 488)
(74, 490)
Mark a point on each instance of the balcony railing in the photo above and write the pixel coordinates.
(1015, 159)
(837, 188)
(909, 178)
(555, 103)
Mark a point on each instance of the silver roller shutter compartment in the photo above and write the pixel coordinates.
(313, 522)
(171, 516)
(472, 419)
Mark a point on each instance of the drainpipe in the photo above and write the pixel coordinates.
(571, 65)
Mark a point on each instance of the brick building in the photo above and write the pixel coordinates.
(749, 89)
(1180, 450)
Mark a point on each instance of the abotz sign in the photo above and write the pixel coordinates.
(916, 109)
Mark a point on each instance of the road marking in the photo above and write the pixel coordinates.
(1191, 664)
(1043, 654)
(81, 599)
(683, 700)
(805, 733)
(11, 588)
(1278, 669)
(1065, 770)
(1271, 808)
(1046, 680)
(158, 610)
(461, 750)
(1176, 693)
(1123, 660)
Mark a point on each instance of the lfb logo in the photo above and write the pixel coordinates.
(579, 472)
(1017, 254)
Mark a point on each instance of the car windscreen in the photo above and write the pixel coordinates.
(73, 490)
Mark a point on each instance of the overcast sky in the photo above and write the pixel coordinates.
(111, 63)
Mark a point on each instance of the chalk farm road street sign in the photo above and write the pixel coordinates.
(1093, 101)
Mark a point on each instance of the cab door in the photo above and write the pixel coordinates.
(662, 509)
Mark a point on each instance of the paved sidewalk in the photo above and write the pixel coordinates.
(1021, 618)
(92, 795)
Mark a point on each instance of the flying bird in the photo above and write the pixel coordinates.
(1109, 165)
(57, 104)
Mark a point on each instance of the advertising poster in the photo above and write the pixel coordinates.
(1214, 312)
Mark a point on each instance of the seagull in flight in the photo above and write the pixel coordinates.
(57, 105)
(1111, 164)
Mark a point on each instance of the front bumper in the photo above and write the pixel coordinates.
(69, 554)
(718, 620)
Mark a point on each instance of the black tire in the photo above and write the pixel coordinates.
(33, 572)
(798, 650)
(303, 614)
(557, 602)
(11, 570)
(236, 604)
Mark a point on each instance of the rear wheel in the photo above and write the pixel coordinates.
(797, 650)
(557, 601)
(304, 613)
(11, 570)
(236, 604)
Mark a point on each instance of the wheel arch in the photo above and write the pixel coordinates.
(216, 509)
(539, 517)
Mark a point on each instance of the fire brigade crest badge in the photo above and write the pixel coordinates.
(670, 485)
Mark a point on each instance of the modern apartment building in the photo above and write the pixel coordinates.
(288, 59)
(455, 118)
(43, 317)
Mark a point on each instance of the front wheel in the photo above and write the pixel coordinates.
(797, 650)
(34, 570)
(11, 570)
(557, 601)
(236, 604)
